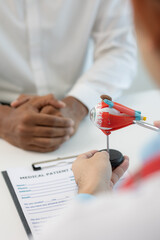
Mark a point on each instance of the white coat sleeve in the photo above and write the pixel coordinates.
(132, 214)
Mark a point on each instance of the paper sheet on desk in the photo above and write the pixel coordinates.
(41, 195)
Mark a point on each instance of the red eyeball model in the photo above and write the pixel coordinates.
(109, 116)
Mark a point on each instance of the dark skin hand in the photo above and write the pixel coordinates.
(26, 127)
(73, 109)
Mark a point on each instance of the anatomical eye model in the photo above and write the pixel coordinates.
(109, 116)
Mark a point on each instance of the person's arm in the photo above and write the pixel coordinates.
(27, 128)
(114, 63)
(129, 214)
(115, 51)
(72, 108)
(132, 214)
(93, 173)
(94, 177)
(75, 110)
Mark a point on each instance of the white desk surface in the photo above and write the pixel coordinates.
(128, 140)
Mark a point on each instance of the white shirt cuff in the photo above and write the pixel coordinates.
(89, 96)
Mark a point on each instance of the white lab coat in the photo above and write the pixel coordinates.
(122, 215)
(43, 47)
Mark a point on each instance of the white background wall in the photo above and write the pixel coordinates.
(142, 80)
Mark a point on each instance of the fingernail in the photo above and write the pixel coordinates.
(66, 138)
(62, 103)
(71, 130)
(71, 122)
(14, 103)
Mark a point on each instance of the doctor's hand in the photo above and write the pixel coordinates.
(157, 123)
(93, 173)
(26, 127)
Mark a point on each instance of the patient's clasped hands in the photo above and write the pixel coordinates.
(40, 123)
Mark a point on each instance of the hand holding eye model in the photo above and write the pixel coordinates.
(109, 116)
